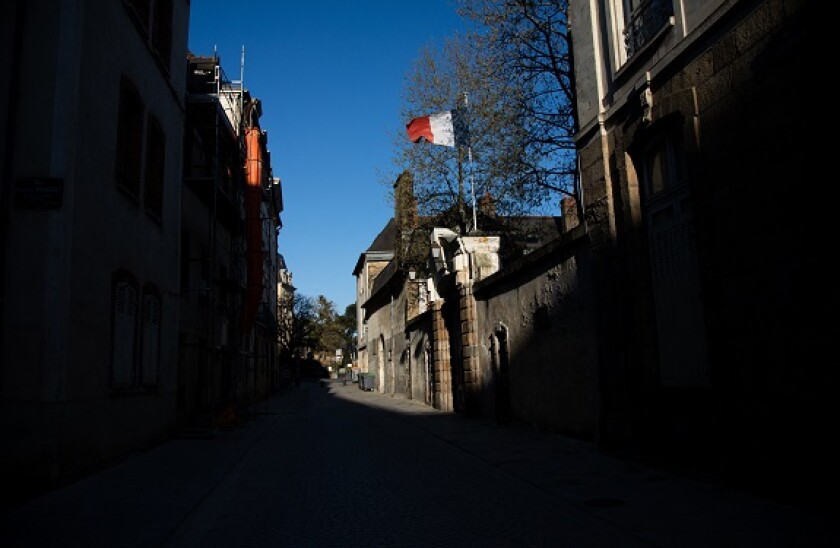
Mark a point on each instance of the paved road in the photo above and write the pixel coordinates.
(331, 465)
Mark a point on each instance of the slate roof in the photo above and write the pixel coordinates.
(382, 245)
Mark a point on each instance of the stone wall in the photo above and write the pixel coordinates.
(544, 306)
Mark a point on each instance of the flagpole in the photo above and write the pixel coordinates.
(472, 187)
(469, 160)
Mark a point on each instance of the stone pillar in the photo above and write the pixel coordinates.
(478, 257)
(474, 258)
(469, 348)
(441, 367)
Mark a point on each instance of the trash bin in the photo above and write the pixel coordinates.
(366, 381)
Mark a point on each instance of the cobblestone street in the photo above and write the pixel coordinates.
(331, 465)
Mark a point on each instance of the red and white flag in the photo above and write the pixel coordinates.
(444, 128)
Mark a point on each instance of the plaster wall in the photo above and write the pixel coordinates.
(547, 311)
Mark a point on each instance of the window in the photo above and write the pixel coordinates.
(642, 20)
(185, 260)
(125, 315)
(151, 336)
(674, 262)
(663, 169)
(135, 356)
(140, 163)
(130, 139)
(140, 10)
(155, 164)
(162, 32)
(153, 19)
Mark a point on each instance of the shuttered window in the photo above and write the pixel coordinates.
(151, 337)
(125, 311)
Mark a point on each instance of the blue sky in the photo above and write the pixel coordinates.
(330, 77)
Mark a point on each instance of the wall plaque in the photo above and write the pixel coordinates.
(39, 192)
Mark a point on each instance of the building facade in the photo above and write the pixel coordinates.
(369, 265)
(709, 267)
(90, 215)
(139, 236)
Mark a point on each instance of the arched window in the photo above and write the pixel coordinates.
(380, 361)
(500, 363)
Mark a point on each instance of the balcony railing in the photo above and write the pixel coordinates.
(645, 22)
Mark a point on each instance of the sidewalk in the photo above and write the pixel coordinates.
(141, 501)
(650, 505)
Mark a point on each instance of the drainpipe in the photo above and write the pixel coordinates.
(253, 227)
(393, 335)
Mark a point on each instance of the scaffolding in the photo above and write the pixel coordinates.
(232, 177)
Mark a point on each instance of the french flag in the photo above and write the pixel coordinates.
(444, 128)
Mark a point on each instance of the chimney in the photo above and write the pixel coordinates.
(487, 206)
(569, 212)
(405, 217)
(405, 204)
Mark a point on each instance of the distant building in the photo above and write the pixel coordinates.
(370, 264)
(408, 337)
(285, 319)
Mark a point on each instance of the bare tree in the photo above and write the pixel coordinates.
(528, 41)
(448, 179)
(514, 71)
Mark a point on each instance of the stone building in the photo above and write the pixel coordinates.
(417, 314)
(709, 264)
(685, 318)
(370, 264)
